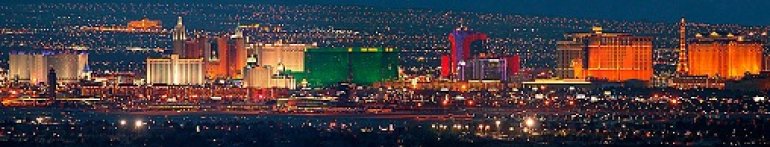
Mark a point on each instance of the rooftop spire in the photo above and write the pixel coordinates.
(238, 32)
(179, 21)
(179, 31)
(682, 67)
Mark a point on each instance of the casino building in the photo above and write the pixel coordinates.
(173, 70)
(724, 55)
(289, 57)
(145, 23)
(34, 67)
(462, 41)
(615, 57)
(468, 59)
(330, 66)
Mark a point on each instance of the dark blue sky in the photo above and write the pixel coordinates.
(746, 12)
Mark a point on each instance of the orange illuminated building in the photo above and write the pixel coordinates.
(615, 57)
(144, 23)
(237, 46)
(217, 66)
(727, 56)
(227, 58)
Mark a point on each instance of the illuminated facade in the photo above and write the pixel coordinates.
(114, 78)
(175, 71)
(614, 57)
(264, 77)
(226, 57)
(329, 66)
(489, 68)
(690, 82)
(180, 93)
(216, 65)
(766, 63)
(196, 47)
(144, 23)
(727, 56)
(682, 67)
(237, 46)
(179, 37)
(33, 68)
(571, 55)
(461, 40)
(257, 77)
(289, 57)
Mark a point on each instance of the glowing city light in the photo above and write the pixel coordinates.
(138, 123)
(529, 122)
(270, 85)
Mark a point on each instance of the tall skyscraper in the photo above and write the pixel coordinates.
(227, 57)
(461, 41)
(237, 46)
(682, 67)
(614, 57)
(216, 67)
(179, 37)
(727, 56)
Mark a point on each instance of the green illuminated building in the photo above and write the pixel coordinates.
(329, 66)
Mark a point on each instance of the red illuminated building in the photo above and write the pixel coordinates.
(468, 59)
(461, 41)
(514, 65)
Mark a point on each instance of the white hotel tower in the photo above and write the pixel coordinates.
(175, 71)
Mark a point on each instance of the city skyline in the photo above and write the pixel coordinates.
(372, 73)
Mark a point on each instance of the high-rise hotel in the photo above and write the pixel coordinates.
(179, 37)
(181, 67)
(175, 71)
(615, 57)
(226, 57)
(34, 67)
(710, 60)
(724, 55)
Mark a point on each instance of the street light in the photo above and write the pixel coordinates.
(138, 123)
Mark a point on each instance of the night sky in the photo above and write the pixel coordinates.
(745, 12)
